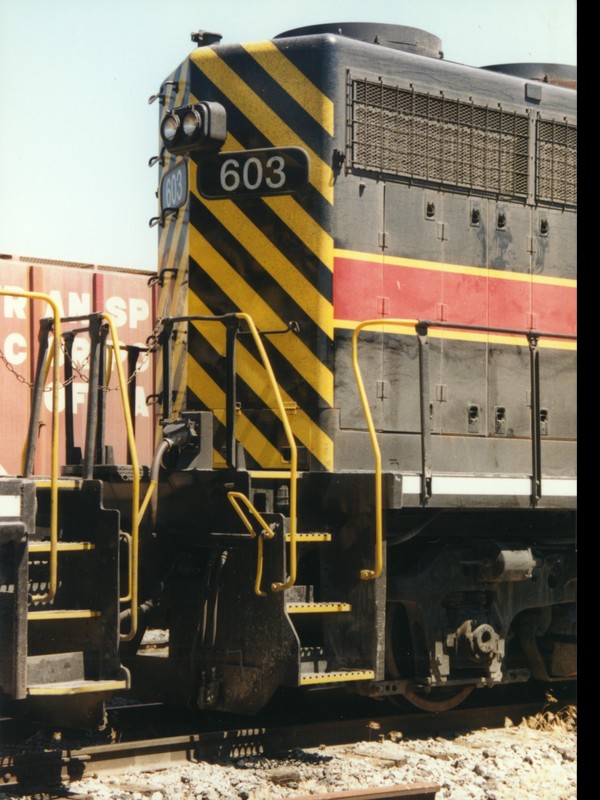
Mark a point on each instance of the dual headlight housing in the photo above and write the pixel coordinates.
(199, 126)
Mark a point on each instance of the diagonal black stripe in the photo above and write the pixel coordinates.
(250, 137)
(286, 106)
(252, 271)
(288, 243)
(264, 420)
(287, 375)
(316, 63)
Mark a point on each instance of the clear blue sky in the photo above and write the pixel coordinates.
(75, 76)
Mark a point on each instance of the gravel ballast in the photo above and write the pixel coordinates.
(514, 763)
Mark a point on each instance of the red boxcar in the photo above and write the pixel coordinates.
(78, 289)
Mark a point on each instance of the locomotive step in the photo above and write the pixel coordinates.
(76, 687)
(269, 474)
(62, 547)
(309, 537)
(339, 676)
(301, 538)
(63, 613)
(62, 483)
(65, 674)
(317, 608)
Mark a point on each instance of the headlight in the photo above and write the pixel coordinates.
(201, 126)
(169, 127)
(192, 122)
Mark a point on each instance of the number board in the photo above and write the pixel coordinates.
(274, 170)
(174, 187)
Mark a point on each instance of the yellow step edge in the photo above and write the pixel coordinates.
(62, 547)
(75, 687)
(317, 608)
(310, 537)
(311, 678)
(62, 483)
(77, 613)
(257, 474)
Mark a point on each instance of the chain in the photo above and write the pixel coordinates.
(10, 368)
(74, 366)
(76, 370)
(152, 342)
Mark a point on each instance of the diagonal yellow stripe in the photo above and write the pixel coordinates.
(259, 447)
(296, 218)
(252, 372)
(273, 261)
(294, 82)
(314, 372)
(304, 226)
(261, 115)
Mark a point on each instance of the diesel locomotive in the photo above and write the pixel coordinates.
(365, 355)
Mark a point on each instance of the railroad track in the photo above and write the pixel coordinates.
(31, 770)
(414, 791)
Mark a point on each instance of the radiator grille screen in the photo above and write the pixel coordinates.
(431, 138)
(556, 162)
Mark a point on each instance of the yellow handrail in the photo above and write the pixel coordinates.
(149, 492)
(371, 574)
(235, 498)
(383, 323)
(281, 586)
(135, 490)
(109, 363)
(53, 584)
(53, 358)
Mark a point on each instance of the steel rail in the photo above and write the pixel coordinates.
(23, 769)
(414, 791)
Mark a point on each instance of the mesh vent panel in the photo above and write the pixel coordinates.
(556, 162)
(451, 142)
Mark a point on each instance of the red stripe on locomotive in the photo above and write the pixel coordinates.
(452, 296)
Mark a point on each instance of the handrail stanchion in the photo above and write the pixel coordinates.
(422, 335)
(293, 565)
(235, 498)
(91, 426)
(135, 489)
(536, 436)
(371, 574)
(53, 583)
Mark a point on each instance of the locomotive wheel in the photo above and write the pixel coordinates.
(440, 699)
(397, 636)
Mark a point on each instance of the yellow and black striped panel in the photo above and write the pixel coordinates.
(173, 256)
(271, 257)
